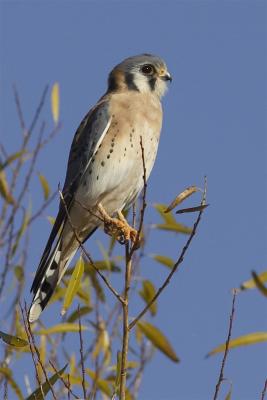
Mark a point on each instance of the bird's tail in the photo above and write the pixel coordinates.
(49, 274)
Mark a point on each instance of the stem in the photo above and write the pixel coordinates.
(125, 310)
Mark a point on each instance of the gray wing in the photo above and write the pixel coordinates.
(86, 141)
(85, 144)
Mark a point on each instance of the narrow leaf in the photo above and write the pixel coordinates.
(175, 227)
(55, 102)
(168, 218)
(158, 339)
(74, 284)
(45, 186)
(103, 385)
(251, 284)
(181, 197)
(147, 293)
(167, 261)
(21, 231)
(13, 340)
(9, 377)
(245, 340)
(83, 311)
(4, 188)
(259, 284)
(38, 393)
(60, 328)
(11, 158)
(229, 394)
(192, 209)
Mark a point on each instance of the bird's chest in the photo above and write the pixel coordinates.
(115, 176)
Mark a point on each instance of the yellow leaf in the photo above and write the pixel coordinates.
(19, 273)
(60, 328)
(179, 228)
(168, 218)
(259, 284)
(9, 377)
(46, 387)
(73, 285)
(158, 339)
(83, 311)
(251, 284)
(4, 188)
(45, 186)
(55, 102)
(147, 293)
(103, 385)
(181, 197)
(42, 352)
(51, 220)
(251, 338)
(229, 394)
(13, 340)
(12, 158)
(102, 342)
(164, 260)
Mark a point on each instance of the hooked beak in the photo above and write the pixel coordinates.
(166, 77)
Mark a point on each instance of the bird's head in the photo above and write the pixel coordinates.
(144, 73)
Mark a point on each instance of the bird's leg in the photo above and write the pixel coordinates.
(117, 227)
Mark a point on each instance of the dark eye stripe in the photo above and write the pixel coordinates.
(152, 83)
(129, 80)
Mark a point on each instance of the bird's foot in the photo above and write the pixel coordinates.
(119, 228)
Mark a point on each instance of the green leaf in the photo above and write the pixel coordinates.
(83, 311)
(4, 188)
(38, 393)
(61, 328)
(167, 261)
(73, 285)
(251, 284)
(13, 340)
(103, 385)
(45, 186)
(147, 293)
(158, 339)
(9, 376)
(12, 158)
(251, 338)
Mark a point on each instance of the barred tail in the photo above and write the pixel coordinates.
(44, 285)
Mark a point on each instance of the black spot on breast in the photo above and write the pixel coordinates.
(152, 83)
(111, 150)
(108, 156)
(102, 163)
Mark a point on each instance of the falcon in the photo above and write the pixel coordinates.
(105, 167)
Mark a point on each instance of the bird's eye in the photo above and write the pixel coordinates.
(147, 69)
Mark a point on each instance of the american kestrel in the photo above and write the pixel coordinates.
(105, 166)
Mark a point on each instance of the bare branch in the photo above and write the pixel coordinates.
(221, 377)
(264, 390)
(82, 355)
(174, 269)
(87, 254)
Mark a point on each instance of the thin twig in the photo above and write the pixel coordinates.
(125, 313)
(67, 385)
(81, 352)
(114, 291)
(38, 353)
(31, 349)
(174, 269)
(19, 109)
(263, 393)
(221, 375)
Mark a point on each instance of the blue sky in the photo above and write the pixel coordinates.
(214, 124)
